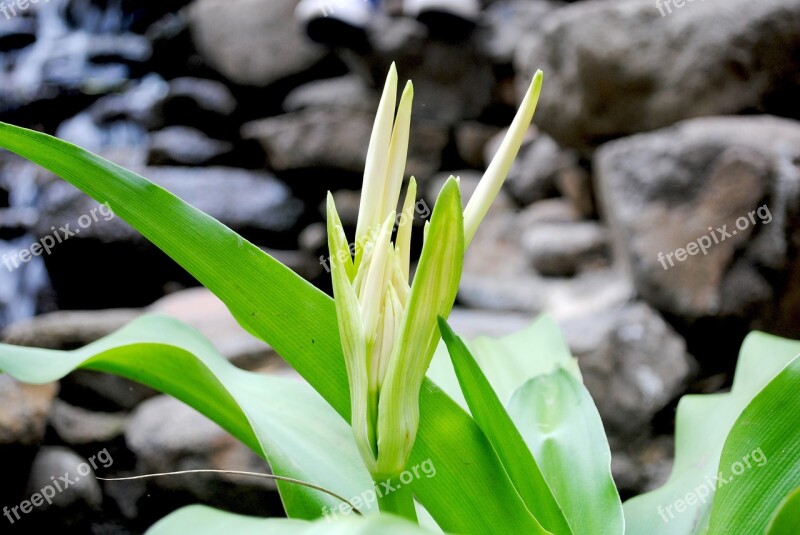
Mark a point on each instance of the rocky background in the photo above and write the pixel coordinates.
(651, 128)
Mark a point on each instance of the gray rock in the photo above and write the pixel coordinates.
(667, 189)
(23, 416)
(181, 145)
(344, 92)
(339, 139)
(243, 200)
(67, 329)
(548, 211)
(249, 42)
(538, 168)
(168, 436)
(507, 22)
(206, 95)
(561, 250)
(78, 427)
(633, 363)
(74, 503)
(205, 312)
(705, 58)
(498, 276)
(471, 138)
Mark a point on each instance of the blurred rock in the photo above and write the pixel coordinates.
(345, 92)
(507, 22)
(562, 250)
(168, 436)
(250, 42)
(472, 137)
(79, 427)
(538, 169)
(339, 139)
(205, 312)
(189, 96)
(243, 200)
(664, 190)
(633, 363)
(680, 68)
(181, 145)
(498, 275)
(643, 465)
(23, 416)
(67, 329)
(74, 504)
(555, 210)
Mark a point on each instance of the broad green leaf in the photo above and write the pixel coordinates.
(761, 458)
(298, 321)
(509, 362)
(283, 419)
(202, 520)
(493, 419)
(560, 423)
(702, 424)
(786, 518)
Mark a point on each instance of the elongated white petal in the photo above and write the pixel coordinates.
(403, 240)
(398, 152)
(377, 158)
(372, 296)
(348, 314)
(498, 169)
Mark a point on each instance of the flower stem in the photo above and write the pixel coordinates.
(396, 498)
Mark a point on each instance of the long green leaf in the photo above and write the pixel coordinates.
(560, 423)
(760, 462)
(298, 321)
(283, 419)
(493, 419)
(702, 424)
(201, 520)
(787, 516)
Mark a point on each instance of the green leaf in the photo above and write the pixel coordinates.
(283, 419)
(561, 426)
(702, 424)
(761, 458)
(505, 438)
(509, 362)
(787, 516)
(298, 321)
(202, 520)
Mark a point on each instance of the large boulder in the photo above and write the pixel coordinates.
(617, 68)
(252, 42)
(704, 215)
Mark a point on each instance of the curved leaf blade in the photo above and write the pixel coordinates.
(702, 424)
(787, 516)
(281, 419)
(761, 456)
(202, 520)
(561, 426)
(493, 419)
(297, 320)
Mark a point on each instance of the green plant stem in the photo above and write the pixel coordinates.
(399, 501)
